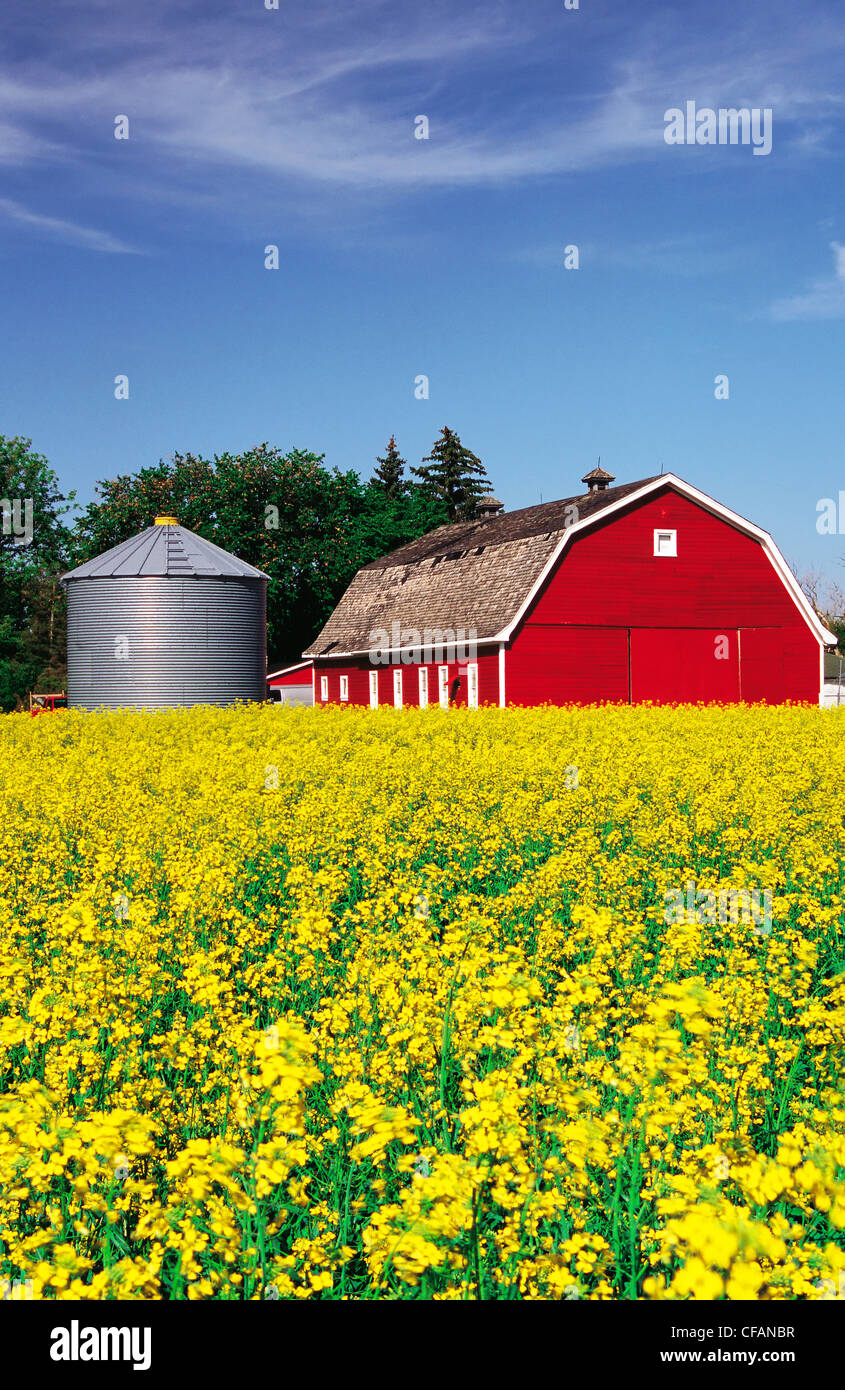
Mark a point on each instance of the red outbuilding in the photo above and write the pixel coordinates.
(292, 685)
(649, 591)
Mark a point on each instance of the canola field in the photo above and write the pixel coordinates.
(352, 1004)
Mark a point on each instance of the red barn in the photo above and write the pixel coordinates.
(647, 591)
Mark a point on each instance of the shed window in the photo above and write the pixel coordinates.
(374, 690)
(324, 687)
(397, 689)
(423, 687)
(472, 685)
(665, 542)
(344, 687)
(443, 684)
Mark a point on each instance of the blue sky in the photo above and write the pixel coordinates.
(444, 257)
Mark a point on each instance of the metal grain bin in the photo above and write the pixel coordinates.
(165, 619)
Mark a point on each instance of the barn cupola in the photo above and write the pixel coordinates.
(598, 479)
(488, 506)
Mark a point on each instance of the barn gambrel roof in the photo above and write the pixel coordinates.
(485, 574)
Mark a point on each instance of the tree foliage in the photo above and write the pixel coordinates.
(828, 600)
(32, 603)
(454, 474)
(391, 471)
(309, 528)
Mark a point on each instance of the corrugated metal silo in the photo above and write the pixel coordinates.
(165, 619)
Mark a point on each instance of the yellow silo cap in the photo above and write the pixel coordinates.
(165, 521)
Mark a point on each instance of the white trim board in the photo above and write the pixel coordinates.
(286, 670)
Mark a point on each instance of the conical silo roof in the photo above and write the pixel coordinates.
(168, 550)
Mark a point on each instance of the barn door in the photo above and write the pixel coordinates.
(761, 665)
(684, 665)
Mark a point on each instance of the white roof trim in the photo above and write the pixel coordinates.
(286, 670)
(390, 651)
(710, 504)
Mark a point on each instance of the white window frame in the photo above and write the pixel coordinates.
(423, 688)
(673, 541)
(374, 690)
(397, 687)
(344, 687)
(324, 688)
(443, 686)
(472, 684)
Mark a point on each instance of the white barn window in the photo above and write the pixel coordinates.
(324, 687)
(472, 685)
(397, 689)
(443, 685)
(665, 542)
(423, 687)
(344, 687)
(374, 690)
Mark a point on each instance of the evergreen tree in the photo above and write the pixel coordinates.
(455, 475)
(391, 473)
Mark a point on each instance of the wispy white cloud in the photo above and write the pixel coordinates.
(824, 300)
(58, 229)
(318, 100)
(22, 146)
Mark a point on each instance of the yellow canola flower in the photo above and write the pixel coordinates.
(420, 1015)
